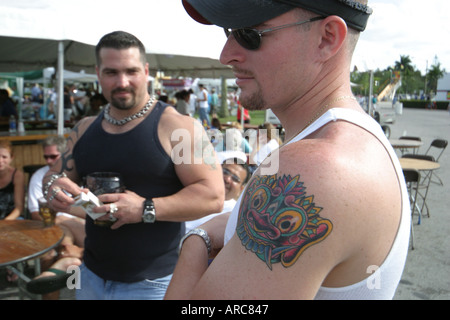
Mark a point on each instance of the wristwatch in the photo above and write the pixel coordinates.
(149, 214)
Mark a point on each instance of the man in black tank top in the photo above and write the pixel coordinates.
(168, 167)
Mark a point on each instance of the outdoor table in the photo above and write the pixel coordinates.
(24, 240)
(404, 144)
(420, 165)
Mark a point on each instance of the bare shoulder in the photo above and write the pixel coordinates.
(80, 128)
(325, 215)
(175, 128)
(172, 119)
(19, 176)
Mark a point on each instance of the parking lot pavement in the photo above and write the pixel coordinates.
(426, 274)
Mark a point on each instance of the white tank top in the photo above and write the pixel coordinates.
(383, 281)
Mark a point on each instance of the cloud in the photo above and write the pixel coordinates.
(405, 27)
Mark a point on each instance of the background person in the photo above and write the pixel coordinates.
(203, 106)
(72, 246)
(12, 185)
(12, 190)
(235, 176)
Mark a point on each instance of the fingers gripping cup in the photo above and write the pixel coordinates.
(47, 214)
(104, 182)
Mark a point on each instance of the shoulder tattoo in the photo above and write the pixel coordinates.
(66, 156)
(278, 221)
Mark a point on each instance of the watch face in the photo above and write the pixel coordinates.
(149, 212)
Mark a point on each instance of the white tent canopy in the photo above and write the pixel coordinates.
(23, 54)
(36, 34)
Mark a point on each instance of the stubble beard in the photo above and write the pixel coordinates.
(254, 102)
(123, 104)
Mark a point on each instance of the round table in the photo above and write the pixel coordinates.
(405, 144)
(22, 240)
(418, 164)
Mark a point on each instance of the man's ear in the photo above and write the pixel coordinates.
(334, 32)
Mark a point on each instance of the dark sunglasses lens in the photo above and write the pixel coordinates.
(247, 38)
(53, 157)
(234, 177)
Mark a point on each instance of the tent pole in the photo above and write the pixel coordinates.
(60, 79)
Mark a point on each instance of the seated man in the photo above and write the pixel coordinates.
(72, 246)
(73, 226)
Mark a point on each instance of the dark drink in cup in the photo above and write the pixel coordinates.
(104, 182)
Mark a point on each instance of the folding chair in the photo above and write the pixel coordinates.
(436, 149)
(424, 181)
(412, 179)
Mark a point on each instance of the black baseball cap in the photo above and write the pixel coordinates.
(247, 13)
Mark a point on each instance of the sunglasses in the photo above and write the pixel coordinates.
(51, 156)
(233, 177)
(250, 38)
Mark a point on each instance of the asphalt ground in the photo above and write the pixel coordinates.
(426, 274)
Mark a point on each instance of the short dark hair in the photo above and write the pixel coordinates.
(120, 40)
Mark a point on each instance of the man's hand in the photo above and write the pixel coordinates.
(129, 207)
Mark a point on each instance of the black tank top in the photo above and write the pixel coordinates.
(7, 204)
(133, 252)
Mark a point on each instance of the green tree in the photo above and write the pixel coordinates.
(433, 76)
(408, 74)
(404, 65)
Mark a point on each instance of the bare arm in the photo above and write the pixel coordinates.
(197, 168)
(193, 260)
(271, 236)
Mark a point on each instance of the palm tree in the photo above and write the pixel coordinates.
(404, 65)
(433, 75)
(406, 69)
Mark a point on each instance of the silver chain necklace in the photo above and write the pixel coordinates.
(137, 115)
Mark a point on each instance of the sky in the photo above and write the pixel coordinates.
(416, 28)
(419, 29)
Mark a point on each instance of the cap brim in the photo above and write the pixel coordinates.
(233, 13)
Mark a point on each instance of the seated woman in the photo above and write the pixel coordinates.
(12, 190)
(12, 185)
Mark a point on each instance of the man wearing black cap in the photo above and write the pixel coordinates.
(332, 220)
